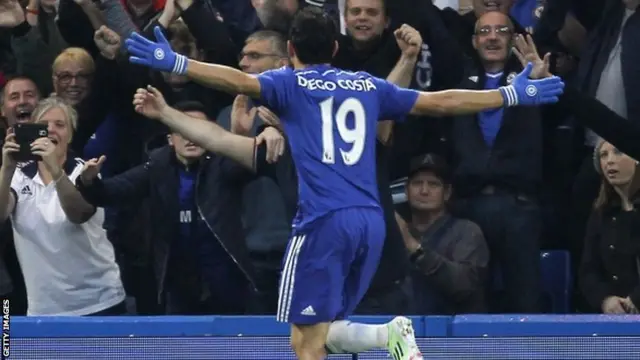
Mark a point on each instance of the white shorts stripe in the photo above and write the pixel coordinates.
(287, 281)
(285, 276)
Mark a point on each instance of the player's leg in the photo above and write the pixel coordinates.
(308, 341)
(311, 285)
(349, 337)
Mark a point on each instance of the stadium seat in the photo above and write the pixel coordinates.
(556, 281)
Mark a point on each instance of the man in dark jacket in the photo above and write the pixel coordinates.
(449, 255)
(200, 257)
(498, 170)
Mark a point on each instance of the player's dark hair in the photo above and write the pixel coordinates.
(313, 35)
(186, 106)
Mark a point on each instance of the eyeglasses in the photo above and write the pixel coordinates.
(65, 77)
(500, 30)
(253, 55)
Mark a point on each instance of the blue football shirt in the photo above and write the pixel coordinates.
(330, 118)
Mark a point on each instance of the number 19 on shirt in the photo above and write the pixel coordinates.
(355, 136)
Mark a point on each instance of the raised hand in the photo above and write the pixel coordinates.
(44, 148)
(409, 240)
(91, 169)
(170, 13)
(107, 41)
(268, 117)
(11, 14)
(156, 55)
(526, 51)
(149, 102)
(242, 118)
(275, 143)
(524, 91)
(409, 40)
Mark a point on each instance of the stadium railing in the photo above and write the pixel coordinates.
(246, 338)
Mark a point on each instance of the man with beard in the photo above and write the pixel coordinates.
(498, 169)
(19, 97)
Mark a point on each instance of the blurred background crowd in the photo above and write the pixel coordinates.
(517, 210)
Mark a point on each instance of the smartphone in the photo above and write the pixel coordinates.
(27, 133)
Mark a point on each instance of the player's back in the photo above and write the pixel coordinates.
(330, 118)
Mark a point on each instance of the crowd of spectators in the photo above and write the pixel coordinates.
(115, 214)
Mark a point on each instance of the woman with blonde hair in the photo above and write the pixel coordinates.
(68, 264)
(609, 276)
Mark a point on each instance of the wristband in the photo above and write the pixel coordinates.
(180, 65)
(32, 11)
(509, 95)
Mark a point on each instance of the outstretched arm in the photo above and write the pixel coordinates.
(523, 91)
(159, 56)
(223, 78)
(211, 136)
(456, 102)
(150, 103)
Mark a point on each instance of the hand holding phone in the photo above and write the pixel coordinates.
(25, 135)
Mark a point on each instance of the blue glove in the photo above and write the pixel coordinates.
(156, 55)
(524, 91)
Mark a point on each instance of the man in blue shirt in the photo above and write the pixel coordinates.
(329, 116)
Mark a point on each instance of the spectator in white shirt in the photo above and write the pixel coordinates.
(68, 264)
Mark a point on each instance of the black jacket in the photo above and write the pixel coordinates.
(611, 258)
(593, 114)
(598, 48)
(515, 160)
(218, 189)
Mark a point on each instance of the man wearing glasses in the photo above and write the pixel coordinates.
(498, 169)
(265, 217)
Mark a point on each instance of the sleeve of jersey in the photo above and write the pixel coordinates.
(273, 88)
(396, 102)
